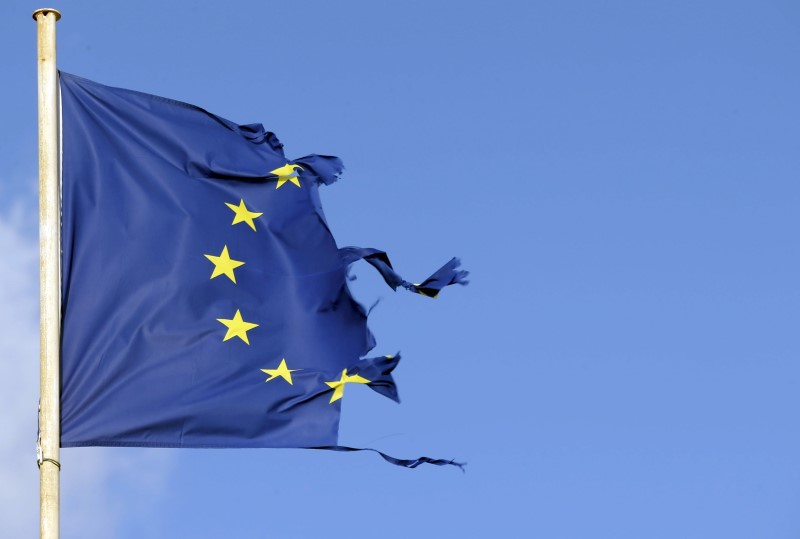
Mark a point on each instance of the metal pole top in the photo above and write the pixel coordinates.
(45, 11)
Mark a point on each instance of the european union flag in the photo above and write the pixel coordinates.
(205, 301)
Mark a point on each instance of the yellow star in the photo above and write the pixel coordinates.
(224, 264)
(243, 215)
(338, 385)
(283, 371)
(287, 173)
(237, 327)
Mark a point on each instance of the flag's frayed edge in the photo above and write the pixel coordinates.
(406, 463)
(445, 276)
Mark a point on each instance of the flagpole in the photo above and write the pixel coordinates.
(49, 274)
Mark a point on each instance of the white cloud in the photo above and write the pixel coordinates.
(91, 506)
(19, 374)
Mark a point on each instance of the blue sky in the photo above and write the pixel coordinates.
(619, 177)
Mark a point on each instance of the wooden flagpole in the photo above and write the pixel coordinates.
(49, 274)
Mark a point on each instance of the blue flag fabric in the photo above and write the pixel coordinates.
(205, 301)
